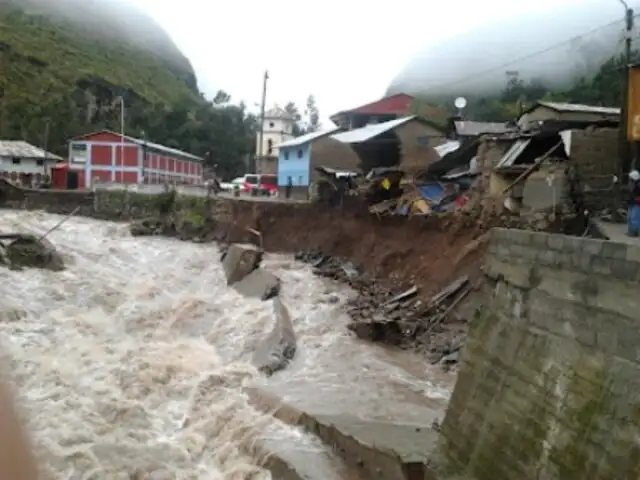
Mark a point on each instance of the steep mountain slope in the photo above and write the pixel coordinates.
(65, 62)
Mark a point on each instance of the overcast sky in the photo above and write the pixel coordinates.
(345, 52)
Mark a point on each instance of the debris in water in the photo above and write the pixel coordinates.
(28, 251)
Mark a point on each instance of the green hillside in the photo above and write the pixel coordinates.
(68, 71)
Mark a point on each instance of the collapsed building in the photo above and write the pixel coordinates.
(556, 165)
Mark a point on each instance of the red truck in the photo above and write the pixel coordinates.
(260, 184)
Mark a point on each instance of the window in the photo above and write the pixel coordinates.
(251, 179)
(269, 146)
(271, 124)
(16, 161)
(286, 155)
(299, 153)
(79, 152)
(300, 180)
(40, 162)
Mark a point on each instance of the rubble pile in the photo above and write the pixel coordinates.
(396, 314)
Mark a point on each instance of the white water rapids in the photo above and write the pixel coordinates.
(132, 362)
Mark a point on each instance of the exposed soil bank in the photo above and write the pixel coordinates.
(428, 253)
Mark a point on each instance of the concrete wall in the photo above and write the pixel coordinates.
(331, 153)
(549, 386)
(594, 152)
(150, 189)
(417, 142)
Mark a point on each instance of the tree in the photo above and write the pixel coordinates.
(293, 110)
(221, 97)
(312, 114)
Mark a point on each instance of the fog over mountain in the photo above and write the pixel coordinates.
(110, 20)
(556, 46)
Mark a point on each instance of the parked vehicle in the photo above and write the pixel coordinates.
(229, 186)
(261, 184)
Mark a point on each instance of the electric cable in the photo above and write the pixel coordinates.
(529, 56)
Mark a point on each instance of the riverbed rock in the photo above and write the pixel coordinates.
(148, 226)
(240, 260)
(30, 251)
(259, 284)
(279, 347)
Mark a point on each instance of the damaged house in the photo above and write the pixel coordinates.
(563, 171)
(407, 143)
(575, 114)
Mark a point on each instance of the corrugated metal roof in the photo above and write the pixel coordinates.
(147, 143)
(513, 153)
(579, 108)
(363, 134)
(478, 128)
(447, 148)
(309, 137)
(162, 148)
(22, 149)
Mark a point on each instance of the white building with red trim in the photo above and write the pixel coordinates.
(107, 156)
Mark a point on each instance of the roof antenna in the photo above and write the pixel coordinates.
(460, 103)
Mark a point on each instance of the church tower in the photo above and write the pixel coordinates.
(277, 128)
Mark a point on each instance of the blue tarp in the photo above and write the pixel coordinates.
(433, 192)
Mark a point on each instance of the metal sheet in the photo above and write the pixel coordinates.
(447, 148)
(22, 149)
(513, 153)
(302, 139)
(579, 108)
(360, 135)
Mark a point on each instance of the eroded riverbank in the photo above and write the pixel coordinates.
(135, 359)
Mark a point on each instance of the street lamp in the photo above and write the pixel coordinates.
(144, 156)
(121, 99)
(47, 123)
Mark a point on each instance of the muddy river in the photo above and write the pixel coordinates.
(134, 360)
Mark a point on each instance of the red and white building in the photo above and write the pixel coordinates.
(110, 157)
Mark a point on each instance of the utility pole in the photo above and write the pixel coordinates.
(262, 108)
(624, 146)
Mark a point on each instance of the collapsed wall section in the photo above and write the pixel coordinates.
(550, 380)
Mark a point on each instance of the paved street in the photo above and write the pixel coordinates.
(616, 232)
(244, 196)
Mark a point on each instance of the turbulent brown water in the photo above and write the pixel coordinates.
(134, 359)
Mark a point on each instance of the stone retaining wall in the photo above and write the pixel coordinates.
(550, 380)
(101, 204)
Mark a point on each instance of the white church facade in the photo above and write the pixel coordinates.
(277, 128)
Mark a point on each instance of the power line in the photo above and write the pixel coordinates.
(528, 56)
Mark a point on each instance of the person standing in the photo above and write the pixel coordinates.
(633, 216)
(287, 190)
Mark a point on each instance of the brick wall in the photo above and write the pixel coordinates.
(549, 386)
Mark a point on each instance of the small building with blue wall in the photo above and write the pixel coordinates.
(298, 158)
